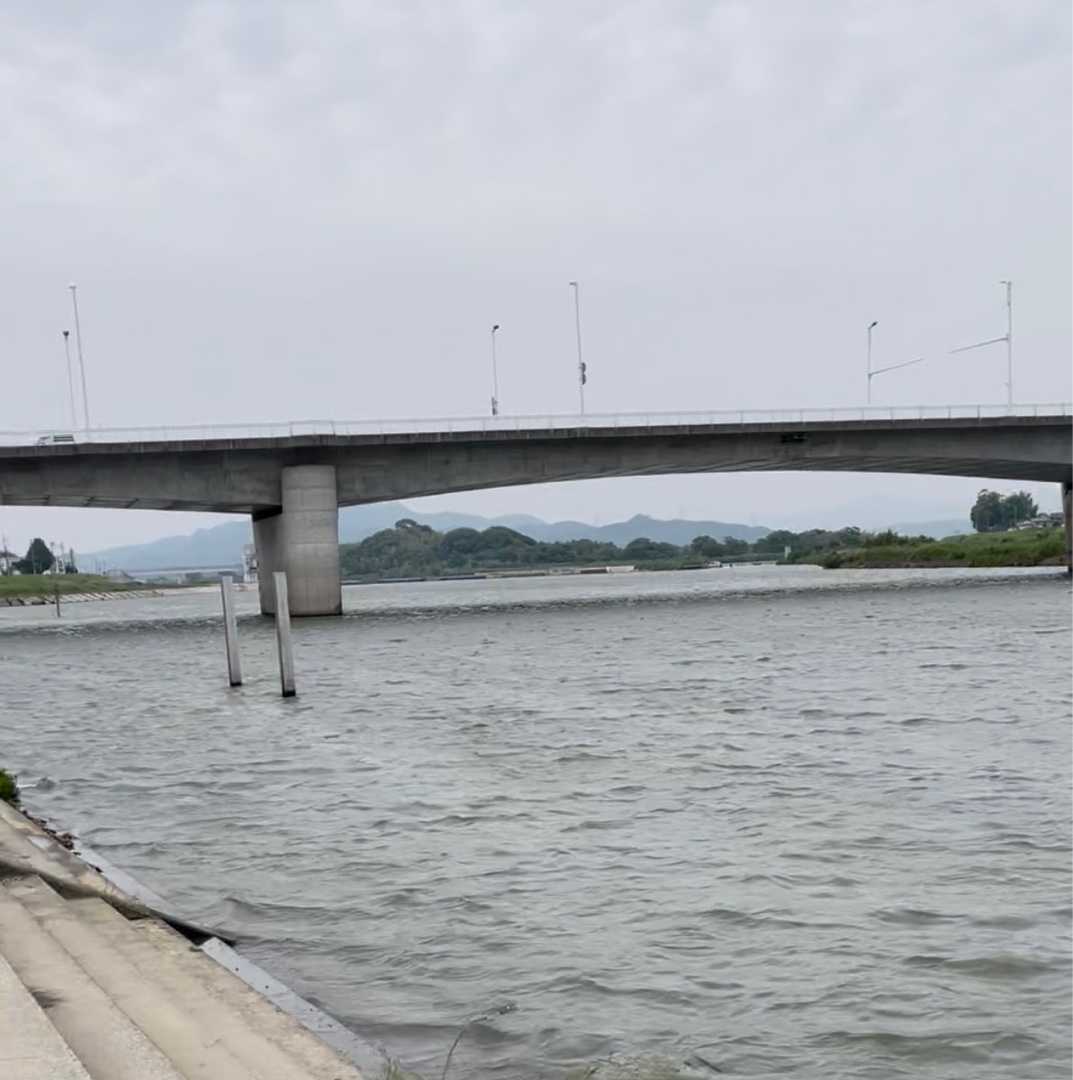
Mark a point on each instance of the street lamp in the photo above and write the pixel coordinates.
(495, 374)
(1007, 337)
(582, 377)
(70, 378)
(871, 326)
(81, 362)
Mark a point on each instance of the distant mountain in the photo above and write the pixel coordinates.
(222, 545)
(677, 531)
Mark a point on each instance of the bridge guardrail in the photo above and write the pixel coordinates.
(531, 422)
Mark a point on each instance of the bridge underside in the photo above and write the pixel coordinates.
(244, 476)
(293, 487)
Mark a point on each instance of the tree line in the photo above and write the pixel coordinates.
(993, 512)
(414, 550)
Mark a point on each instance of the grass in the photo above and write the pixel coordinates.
(9, 788)
(30, 585)
(1030, 547)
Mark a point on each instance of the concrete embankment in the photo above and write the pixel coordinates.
(44, 599)
(94, 984)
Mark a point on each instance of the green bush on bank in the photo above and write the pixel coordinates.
(9, 787)
(1030, 547)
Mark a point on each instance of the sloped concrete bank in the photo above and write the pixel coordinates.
(45, 600)
(97, 983)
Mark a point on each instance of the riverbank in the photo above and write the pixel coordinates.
(46, 585)
(29, 590)
(95, 984)
(1030, 547)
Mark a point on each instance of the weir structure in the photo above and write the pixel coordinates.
(292, 478)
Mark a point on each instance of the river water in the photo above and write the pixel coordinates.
(798, 822)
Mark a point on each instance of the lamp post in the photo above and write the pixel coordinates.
(70, 378)
(582, 376)
(495, 374)
(1007, 337)
(871, 326)
(81, 362)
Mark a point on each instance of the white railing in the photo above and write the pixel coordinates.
(536, 422)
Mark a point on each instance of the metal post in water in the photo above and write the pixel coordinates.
(283, 635)
(234, 662)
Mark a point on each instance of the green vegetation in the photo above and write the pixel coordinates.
(410, 550)
(1031, 547)
(9, 788)
(993, 512)
(45, 585)
(38, 558)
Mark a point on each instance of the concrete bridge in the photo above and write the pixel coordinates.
(292, 478)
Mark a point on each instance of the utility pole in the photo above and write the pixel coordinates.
(582, 376)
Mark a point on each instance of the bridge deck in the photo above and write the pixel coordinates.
(238, 470)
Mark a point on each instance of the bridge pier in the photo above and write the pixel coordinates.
(1067, 512)
(302, 539)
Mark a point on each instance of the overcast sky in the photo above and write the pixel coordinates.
(281, 211)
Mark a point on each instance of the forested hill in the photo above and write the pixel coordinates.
(414, 550)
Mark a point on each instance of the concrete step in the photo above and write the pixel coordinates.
(30, 1047)
(103, 1038)
(319, 1060)
(195, 1052)
(271, 1043)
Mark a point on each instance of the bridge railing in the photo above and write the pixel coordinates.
(531, 422)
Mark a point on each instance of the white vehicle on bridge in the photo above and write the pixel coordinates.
(58, 438)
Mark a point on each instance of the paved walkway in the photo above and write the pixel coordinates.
(94, 986)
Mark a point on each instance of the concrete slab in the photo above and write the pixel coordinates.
(195, 1052)
(25, 848)
(104, 1039)
(31, 1048)
(270, 1043)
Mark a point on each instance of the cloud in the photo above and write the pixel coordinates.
(280, 210)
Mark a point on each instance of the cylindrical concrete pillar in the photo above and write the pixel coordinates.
(302, 540)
